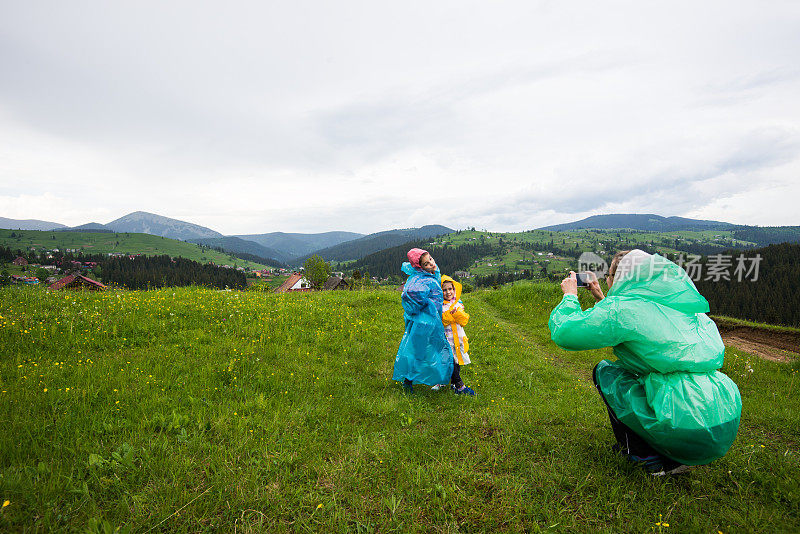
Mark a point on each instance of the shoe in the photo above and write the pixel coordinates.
(438, 387)
(670, 467)
(408, 386)
(651, 464)
(464, 391)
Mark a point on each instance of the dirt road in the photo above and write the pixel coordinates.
(768, 344)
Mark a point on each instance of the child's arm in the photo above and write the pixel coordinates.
(455, 315)
(460, 316)
(447, 318)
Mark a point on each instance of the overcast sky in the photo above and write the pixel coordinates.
(252, 117)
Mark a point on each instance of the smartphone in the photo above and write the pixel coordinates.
(583, 279)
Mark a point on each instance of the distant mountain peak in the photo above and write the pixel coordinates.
(648, 222)
(150, 223)
(29, 224)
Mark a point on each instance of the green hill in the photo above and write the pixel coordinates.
(237, 246)
(125, 243)
(197, 410)
(292, 245)
(766, 294)
(641, 221)
(492, 253)
(358, 248)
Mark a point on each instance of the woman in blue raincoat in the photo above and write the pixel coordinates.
(424, 356)
(669, 405)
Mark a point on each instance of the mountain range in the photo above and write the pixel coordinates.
(29, 224)
(280, 247)
(640, 221)
(294, 248)
(293, 245)
(358, 248)
(237, 245)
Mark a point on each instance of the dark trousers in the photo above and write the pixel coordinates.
(455, 378)
(630, 442)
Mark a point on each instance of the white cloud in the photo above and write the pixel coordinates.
(313, 116)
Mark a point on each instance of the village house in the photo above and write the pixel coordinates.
(27, 280)
(77, 281)
(334, 283)
(20, 261)
(295, 282)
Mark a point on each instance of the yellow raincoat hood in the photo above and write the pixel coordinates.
(456, 285)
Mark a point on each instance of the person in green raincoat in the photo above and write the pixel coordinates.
(669, 405)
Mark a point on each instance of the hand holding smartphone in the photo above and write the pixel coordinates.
(583, 279)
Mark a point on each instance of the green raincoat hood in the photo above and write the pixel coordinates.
(655, 278)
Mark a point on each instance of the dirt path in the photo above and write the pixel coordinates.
(771, 345)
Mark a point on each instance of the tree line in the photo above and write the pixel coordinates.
(450, 259)
(150, 272)
(768, 235)
(773, 298)
(138, 272)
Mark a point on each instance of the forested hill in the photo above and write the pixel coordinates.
(244, 249)
(773, 298)
(641, 221)
(359, 248)
(768, 235)
(450, 259)
(294, 245)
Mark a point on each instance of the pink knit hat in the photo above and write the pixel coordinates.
(414, 255)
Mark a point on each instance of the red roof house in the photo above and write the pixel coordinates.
(295, 282)
(20, 261)
(78, 281)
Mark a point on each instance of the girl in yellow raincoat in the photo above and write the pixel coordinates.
(454, 319)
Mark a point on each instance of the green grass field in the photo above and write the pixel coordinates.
(192, 410)
(126, 243)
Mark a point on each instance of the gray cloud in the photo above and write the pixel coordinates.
(671, 190)
(365, 112)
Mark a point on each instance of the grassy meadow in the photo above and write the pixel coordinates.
(193, 410)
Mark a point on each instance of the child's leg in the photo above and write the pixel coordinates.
(455, 378)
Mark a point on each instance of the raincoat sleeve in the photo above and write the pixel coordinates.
(455, 315)
(460, 316)
(574, 329)
(415, 297)
(447, 318)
